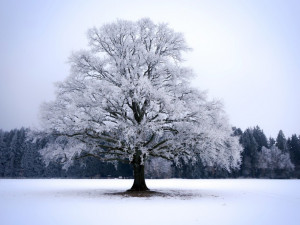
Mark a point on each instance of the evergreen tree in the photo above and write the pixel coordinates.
(294, 150)
(3, 157)
(260, 138)
(54, 169)
(250, 154)
(237, 131)
(15, 149)
(281, 141)
(271, 142)
(32, 163)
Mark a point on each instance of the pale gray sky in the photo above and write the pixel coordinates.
(246, 53)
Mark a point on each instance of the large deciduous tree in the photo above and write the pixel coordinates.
(128, 98)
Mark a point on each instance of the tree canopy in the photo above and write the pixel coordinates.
(129, 98)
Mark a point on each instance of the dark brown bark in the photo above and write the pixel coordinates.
(139, 183)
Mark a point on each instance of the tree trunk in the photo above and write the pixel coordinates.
(139, 183)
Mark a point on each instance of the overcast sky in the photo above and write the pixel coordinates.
(246, 53)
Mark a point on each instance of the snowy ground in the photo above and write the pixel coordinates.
(240, 202)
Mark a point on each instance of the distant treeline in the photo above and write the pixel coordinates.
(261, 158)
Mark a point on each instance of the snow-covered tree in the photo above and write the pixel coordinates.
(128, 98)
(274, 158)
(159, 168)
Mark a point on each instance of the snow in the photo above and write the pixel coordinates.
(59, 201)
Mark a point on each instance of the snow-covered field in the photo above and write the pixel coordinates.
(88, 202)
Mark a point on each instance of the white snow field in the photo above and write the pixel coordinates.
(185, 202)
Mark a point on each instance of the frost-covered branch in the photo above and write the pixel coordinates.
(129, 98)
